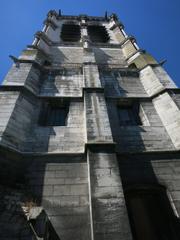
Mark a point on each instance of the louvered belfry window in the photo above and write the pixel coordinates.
(70, 33)
(98, 34)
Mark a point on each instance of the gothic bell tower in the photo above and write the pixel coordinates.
(89, 137)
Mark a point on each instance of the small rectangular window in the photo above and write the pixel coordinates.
(54, 114)
(129, 115)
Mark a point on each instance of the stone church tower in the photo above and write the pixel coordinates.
(89, 137)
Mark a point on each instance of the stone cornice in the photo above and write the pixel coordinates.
(101, 146)
(93, 89)
(76, 44)
(80, 44)
(88, 18)
(168, 90)
(57, 66)
(113, 16)
(19, 153)
(106, 45)
(153, 155)
(71, 17)
(24, 89)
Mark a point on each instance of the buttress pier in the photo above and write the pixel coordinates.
(89, 137)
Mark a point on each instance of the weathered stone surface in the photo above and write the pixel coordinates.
(108, 207)
(170, 116)
(109, 56)
(65, 83)
(84, 197)
(63, 190)
(119, 83)
(97, 121)
(150, 136)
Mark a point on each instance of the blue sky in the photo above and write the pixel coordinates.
(155, 24)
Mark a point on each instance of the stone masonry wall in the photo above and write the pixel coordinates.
(20, 121)
(152, 170)
(24, 75)
(61, 84)
(97, 121)
(122, 83)
(109, 214)
(62, 55)
(170, 116)
(61, 186)
(109, 56)
(78, 173)
(151, 137)
(59, 139)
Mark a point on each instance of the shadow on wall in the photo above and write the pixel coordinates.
(102, 57)
(39, 141)
(21, 218)
(18, 125)
(21, 132)
(60, 185)
(150, 212)
(58, 57)
(49, 87)
(111, 84)
(11, 168)
(52, 188)
(63, 82)
(128, 138)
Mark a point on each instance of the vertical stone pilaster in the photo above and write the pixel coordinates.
(97, 121)
(169, 114)
(109, 214)
(91, 76)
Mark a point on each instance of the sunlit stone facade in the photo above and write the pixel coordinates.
(89, 137)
